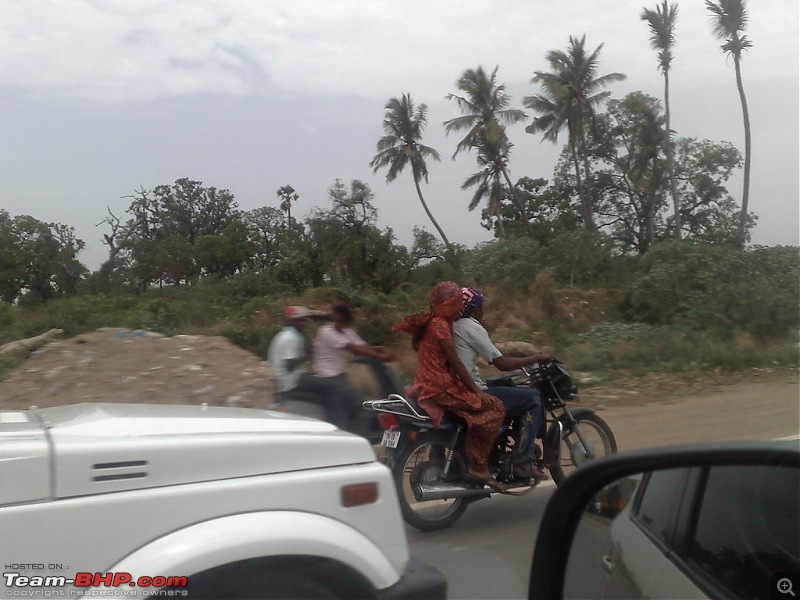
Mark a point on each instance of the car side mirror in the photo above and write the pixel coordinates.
(695, 521)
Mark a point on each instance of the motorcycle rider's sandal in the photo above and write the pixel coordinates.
(524, 471)
(485, 479)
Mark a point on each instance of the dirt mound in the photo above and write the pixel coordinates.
(120, 365)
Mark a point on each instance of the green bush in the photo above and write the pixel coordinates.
(718, 289)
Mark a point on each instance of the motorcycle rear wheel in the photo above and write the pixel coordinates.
(422, 461)
(598, 435)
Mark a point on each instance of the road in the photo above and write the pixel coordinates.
(487, 554)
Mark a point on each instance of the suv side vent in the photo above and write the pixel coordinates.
(119, 470)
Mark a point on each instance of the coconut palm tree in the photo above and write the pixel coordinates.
(662, 22)
(403, 125)
(728, 23)
(493, 158)
(568, 99)
(485, 112)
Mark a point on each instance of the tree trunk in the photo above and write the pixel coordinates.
(740, 235)
(501, 228)
(586, 197)
(578, 180)
(673, 188)
(518, 204)
(30, 344)
(428, 212)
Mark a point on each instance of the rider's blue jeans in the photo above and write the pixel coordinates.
(525, 403)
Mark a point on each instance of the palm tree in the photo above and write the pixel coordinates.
(485, 113)
(287, 195)
(493, 158)
(662, 22)
(403, 124)
(729, 21)
(568, 99)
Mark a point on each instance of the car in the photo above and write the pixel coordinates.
(197, 501)
(701, 521)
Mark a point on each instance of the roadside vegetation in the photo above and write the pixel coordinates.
(634, 257)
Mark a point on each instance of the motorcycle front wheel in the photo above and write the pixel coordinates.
(589, 438)
(422, 462)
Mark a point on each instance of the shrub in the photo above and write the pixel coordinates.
(718, 289)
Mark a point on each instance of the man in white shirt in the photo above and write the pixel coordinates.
(471, 341)
(287, 351)
(335, 343)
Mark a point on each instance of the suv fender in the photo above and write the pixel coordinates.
(240, 537)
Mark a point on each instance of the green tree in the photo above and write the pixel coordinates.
(12, 274)
(568, 99)
(160, 242)
(729, 21)
(550, 209)
(708, 212)
(661, 22)
(38, 260)
(401, 145)
(638, 169)
(346, 246)
(485, 113)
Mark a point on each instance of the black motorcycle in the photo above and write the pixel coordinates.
(365, 424)
(429, 463)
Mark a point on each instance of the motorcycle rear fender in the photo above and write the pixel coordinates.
(552, 439)
(256, 535)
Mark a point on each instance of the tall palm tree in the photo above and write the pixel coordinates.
(484, 114)
(403, 125)
(568, 99)
(287, 196)
(662, 23)
(728, 23)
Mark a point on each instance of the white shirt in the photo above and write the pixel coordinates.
(288, 344)
(471, 341)
(330, 356)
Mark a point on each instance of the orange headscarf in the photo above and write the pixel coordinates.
(444, 300)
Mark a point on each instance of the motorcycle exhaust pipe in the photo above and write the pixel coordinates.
(445, 491)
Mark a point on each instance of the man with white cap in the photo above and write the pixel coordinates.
(287, 352)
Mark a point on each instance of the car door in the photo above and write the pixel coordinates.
(642, 536)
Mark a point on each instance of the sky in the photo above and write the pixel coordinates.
(100, 98)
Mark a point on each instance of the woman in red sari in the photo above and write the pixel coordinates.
(442, 383)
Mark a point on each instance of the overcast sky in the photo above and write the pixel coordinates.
(101, 97)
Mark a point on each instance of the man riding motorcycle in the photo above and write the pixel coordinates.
(326, 383)
(471, 342)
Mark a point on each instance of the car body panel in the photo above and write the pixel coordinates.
(220, 485)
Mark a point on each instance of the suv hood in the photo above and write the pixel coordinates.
(86, 449)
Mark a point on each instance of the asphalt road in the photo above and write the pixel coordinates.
(487, 554)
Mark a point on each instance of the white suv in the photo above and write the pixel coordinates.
(191, 501)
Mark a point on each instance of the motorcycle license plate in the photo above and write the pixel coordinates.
(390, 438)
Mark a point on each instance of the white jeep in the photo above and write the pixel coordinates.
(193, 501)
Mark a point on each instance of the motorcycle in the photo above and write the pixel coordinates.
(307, 404)
(429, 463)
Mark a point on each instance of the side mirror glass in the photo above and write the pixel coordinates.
(712, 527)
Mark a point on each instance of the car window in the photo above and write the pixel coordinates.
(653, 511)
(748, 528)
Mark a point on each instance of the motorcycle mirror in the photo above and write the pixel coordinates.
(696, 521)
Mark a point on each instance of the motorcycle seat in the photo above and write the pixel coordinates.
(448, 420)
